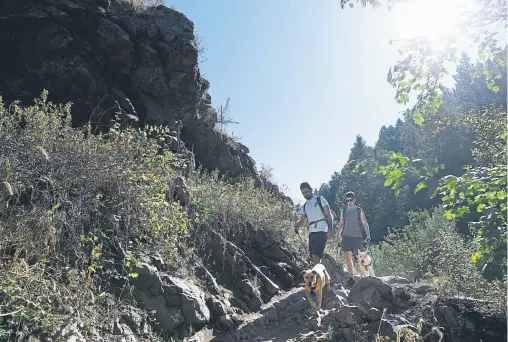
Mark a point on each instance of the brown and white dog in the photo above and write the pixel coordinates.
(314, 280)
(366, 263)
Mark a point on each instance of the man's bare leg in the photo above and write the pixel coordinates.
(349, 263)
(349, 266)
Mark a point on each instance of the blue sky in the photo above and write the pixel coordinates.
(303, 79)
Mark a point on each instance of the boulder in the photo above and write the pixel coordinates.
(371, 292)
(238, 271)
(401, 299)
(336, 269)
(394, 280)
(192, 300)
(176, 302)
(226, 323)
(284, 274)
(349, 315)
(467, 319)
(383, 328)
(373, 315)
(132, 318)
(422, 289)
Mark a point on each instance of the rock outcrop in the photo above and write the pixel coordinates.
(109, 59)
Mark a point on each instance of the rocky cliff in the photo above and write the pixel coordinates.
(107, 59)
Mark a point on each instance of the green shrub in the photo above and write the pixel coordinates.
(80, 210)
(234, 209)
(70, 197)
(430, 249)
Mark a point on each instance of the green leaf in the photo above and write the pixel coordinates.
(501, 195)
(462, 211)
(419, 187)
(389, 181)
(449, 215)
(397, 174)
(419, 119)
(403, 99)
(480, 207)
(133, 275)
(402, 159)
(476, 257)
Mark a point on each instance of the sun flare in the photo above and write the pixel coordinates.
(432, 19)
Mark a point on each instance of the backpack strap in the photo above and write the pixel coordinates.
(318, 199)
(359, 211)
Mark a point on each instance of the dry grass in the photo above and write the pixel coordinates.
(77, 209)
(233, 209)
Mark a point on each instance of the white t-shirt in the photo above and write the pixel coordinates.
(314, 213)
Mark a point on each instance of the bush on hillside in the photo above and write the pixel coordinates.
(233, 209)
(431, 250)
(81, 210)
(72, 198)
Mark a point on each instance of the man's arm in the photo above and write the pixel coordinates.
(302, 221)
(328, 217)
(341, 223)
(365, 224)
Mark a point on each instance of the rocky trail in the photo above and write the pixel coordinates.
(389, 308)
(286, 318)
(270, 306)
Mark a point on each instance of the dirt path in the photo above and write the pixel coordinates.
(287, 317)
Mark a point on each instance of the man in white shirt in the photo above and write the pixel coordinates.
(316, 215)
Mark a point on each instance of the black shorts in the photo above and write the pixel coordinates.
(352, 244)
(317, 243)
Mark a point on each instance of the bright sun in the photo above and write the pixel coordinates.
(432, 19)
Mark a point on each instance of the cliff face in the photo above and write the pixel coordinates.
(106, 58)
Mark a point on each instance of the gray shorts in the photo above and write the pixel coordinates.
(317, 243)
(352, 244)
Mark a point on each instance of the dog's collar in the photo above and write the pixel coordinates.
(367, 265)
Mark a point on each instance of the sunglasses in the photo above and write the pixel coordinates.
(349, 200)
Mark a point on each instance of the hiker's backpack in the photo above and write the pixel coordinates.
(359, 212)
(318, 199)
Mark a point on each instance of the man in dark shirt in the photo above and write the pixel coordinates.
(352, 221)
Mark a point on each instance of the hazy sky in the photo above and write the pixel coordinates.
(304, 79)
